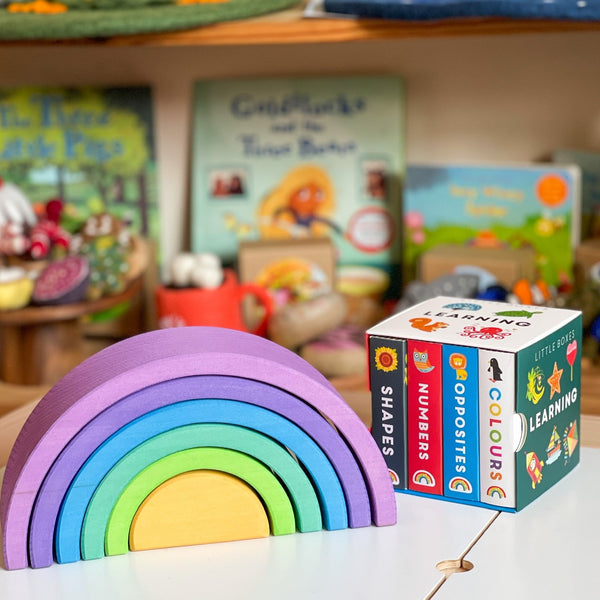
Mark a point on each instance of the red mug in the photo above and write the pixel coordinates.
(217, 307)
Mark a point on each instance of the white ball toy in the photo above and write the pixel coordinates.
(201, 270)
(181, 269)
(206, 277)
(209, 260)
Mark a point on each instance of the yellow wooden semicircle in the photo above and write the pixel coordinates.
(198, 507)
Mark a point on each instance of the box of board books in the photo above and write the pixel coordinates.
(476, 401)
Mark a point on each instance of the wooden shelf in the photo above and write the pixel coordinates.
(298, 30)
(289, 27)
(40, 344)
(34, 315)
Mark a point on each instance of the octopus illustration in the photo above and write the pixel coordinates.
(485, 333)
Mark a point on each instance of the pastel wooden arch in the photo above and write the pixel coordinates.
(115, 538)
(122, 451)
(93, 434)
(145, 360)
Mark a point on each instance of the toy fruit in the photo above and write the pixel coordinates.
(62, 282)
(15, 288)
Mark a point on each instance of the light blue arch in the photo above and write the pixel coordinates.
(309, 454)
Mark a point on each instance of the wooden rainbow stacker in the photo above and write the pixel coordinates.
(184, 436)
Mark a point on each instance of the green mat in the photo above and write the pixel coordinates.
(98, 18)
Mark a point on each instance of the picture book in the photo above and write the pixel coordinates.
(387, 359)
(529, 386)
(284, 158)
(589, 163)
(494, 206)
(91, 147)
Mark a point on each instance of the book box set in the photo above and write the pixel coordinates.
(475, 401)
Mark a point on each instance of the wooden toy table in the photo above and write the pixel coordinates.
(547, 551)
(38, 345)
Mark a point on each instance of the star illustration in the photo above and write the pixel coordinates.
(554, 380)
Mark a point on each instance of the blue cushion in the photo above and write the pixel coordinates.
(583, 10)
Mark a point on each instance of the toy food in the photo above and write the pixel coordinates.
(62, 282)
(297, 323)
(338, 353)
(48, 232)
(291, 279)
(362, 281)
(15, 288)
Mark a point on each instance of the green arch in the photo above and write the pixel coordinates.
(254, 473)
(302, 501)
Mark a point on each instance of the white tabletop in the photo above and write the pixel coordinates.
(361, 563)
(549, 550)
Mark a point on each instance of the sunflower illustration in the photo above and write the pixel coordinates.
(386, 359)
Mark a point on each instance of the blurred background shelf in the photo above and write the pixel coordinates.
(473, 84)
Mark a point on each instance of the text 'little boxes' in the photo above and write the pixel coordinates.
(477, 401)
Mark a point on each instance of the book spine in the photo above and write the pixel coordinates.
(387, 368)
(496, 411)
(424, 403)
(460, 416)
